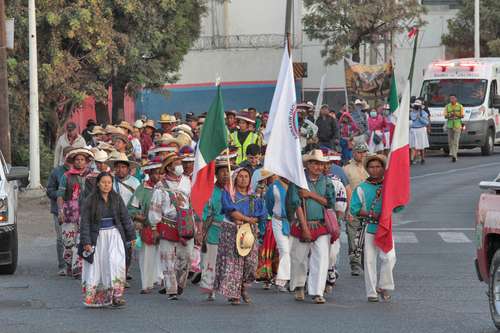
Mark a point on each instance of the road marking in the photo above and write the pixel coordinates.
(454, 170)
(405, 237)
(434, 229)
(454, 237)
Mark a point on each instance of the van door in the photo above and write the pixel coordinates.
(493, 113)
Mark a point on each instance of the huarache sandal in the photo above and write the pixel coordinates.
(319, 300)
(234, 301)
(386, 296)
(373, 299)
(246, 298)
(299, 294)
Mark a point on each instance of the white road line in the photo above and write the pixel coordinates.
(405, 237)
(455, 170)
(454, 237)
(434, 229)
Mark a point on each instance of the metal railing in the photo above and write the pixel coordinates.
(239, 42)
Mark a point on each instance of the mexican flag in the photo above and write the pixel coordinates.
(396, 186)
(213, 140)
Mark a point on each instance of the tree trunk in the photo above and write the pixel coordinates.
(101, 113)
(118, 100)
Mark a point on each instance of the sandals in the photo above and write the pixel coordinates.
(386, 296)
(119, 302)
(246, 298)
(299, 294)
(234, 301)
(373, 299)
(319, 299)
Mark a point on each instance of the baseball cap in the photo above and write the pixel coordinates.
(360, 148)
(70, 126)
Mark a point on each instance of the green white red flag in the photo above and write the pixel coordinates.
(213, 140)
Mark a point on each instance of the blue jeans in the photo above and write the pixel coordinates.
(346, 152)
(59, 243)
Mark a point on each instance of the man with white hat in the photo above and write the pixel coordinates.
(310, 238)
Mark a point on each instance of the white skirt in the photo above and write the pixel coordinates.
(149, 264)
(104, 280)
(418, 138)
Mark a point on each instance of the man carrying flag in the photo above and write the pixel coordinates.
(386, 190)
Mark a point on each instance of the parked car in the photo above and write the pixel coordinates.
(10, 180)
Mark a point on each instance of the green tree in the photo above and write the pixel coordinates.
(459, 40)
(343, 25)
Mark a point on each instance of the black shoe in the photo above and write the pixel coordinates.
(173, 297)
(453, 159)
(196, 278)
(129, 277)
(179, 291)
(162, 291)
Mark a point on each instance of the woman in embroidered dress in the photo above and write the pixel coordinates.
(235, 272)
(105, 228)
(376, 128)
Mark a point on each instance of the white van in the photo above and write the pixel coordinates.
(475, 83)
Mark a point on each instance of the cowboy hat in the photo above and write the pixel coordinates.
(151, 165)
(167, 118)
(110, 129)
(184, 128)
(162, 147)
(167, 139)
(150, 123)
(79, 151)
(97, 130)
(374, 157)
(358, 101)
(126, 125)
(183, 139)
(169, 159)
(100, 156)
(245, 116)
(106, 147)
(116, 157)
(314, 155)
(244, 239)
(418, 102)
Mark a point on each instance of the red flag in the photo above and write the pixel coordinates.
(412, 32)
(396, 186)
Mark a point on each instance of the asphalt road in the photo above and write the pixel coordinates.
(436, 285)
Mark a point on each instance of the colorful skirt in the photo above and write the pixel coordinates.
(233, 271)
(267, 253)
(103, 281)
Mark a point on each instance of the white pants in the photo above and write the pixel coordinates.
(317, 264)
(283, 245)
(149, 264)
(208, 266)
(387, 262)
(334, 253)
(175, 259)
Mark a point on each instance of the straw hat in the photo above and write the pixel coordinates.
(151, 165)
(116, 157)
(79, 151)
(184, 128)
(305, 106)
(183, 139)
(244, 239)
(169, 159)
(162, 147)
(110, 129)
(314, 155)
(167, 139)
(106, 147)
(418, 102)
(246, 116)
(149, 123)
(126, 125)
(167, 118)
(374, 157)
(97, 130)
(100, 156)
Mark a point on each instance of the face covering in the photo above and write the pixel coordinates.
(179, 170)
(373, 114)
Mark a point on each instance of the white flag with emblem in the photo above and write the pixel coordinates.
(283, 154)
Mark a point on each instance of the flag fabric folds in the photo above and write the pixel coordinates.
(396, 186)
(213, 140)
(283, 154)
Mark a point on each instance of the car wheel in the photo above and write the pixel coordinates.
(494, 289)
(11, 268)
(489, 144)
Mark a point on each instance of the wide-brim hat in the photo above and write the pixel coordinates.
(314, 155)
(245, 239)
(100, 156)
(167, 118)
(97, 130)
(122, 137)
(151, 165)
(188, 153)
(374, 157)
(183, 139)
(79, 151)
(162, 148)
(110, 129)
(418, 102)
(233, 112)
(305, 106)
(245, 116)
(126, 125)
(169, 159)
(150, 123)
(184, 128)
(358, 101)
(106, 147)
(116, 157)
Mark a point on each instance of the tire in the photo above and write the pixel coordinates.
(495, 284)
(489, 144)
(11, 268)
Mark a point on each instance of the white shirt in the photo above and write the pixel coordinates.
(124, 191)
(183, 186)
(161, 206)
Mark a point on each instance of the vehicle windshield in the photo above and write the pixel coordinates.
(469, 92)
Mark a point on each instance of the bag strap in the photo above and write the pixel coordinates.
(378, 195)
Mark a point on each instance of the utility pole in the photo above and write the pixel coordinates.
(5, 145)
(477, 45)
(288, 25)
(34, 117)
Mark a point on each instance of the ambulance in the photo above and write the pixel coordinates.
(475, 83)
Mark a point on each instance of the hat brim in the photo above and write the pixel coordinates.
(162, 149)
(127, 127)
(79, 151)
(313, 158)
(243, 252)
(122, 137)
(111, 163)
(169, 161)
(371, 158)
(248, 120)
(151, 166)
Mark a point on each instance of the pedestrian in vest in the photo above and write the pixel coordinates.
(454, 113)
(418, 132)
(310, 239)
(212, 219)
(366, 205)
(356, 174)
(105, 229)
(170, 214)
(69, 196)
(52, 188)
(149, 258)
(254, 158)
(244, 137)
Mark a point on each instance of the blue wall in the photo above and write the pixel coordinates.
(198, 99)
